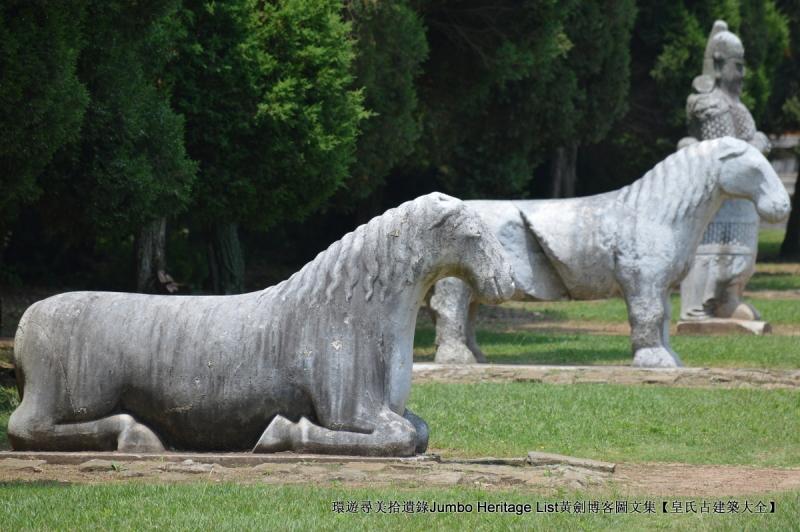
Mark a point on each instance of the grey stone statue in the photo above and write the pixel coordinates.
(637, 241)
(319, 363)
(725, 259)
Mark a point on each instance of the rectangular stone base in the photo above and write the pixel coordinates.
(722, 326)
(223, 459)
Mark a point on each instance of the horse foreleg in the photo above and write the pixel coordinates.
(649, 316)
(393, 435)
(31, 431)
(453, 309)
(469, 331)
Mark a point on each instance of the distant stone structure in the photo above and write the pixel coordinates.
(320, 363)
(725, 259)
(637, 241)
(784, 159)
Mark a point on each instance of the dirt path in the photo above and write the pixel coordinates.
(683, 377)
(502, 474)
(615, 328)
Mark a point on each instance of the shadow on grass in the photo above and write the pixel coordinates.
(769, 245)
(533, 347)
(774, 281)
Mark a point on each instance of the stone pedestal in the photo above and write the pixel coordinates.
(720, 326)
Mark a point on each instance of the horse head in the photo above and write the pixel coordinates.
(747, 174)
(473, 251)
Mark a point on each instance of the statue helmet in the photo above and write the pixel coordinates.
(722, 44)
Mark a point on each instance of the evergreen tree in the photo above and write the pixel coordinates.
(509, 83)
(597, 67)
(786, 113)
(130, 169)
(42, 102)
(667, 47)
(390, 49)
(272, 118)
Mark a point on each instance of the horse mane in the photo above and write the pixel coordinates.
(677, 185)
(382, 255)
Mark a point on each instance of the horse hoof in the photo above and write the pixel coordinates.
(454, 353)
(746, 311)
(276, 438)
(139, 439)
(655, 357)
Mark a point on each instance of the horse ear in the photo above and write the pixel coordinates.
(731, 147)
(445, 207)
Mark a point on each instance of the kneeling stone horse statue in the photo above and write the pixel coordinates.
(318, 363)
(638, 241)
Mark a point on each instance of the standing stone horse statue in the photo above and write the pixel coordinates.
(638, 241)
(319, 363)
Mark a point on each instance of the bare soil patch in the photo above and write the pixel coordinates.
(704, 480)
(502, 474)
(773, 294)
(791, 268)
(627, 375)
(492, 473)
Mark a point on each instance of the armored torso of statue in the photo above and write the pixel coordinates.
(725, 259)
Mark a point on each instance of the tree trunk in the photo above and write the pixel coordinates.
(563, 173)
(150, 256)
(225, 259)
(790, 249)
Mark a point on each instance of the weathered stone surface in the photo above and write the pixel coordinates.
(350, 475)
(726, 256)
(270, 468)
(488, 460)
(96, 465)
(484, 473)
(444, 478)
(191, 467)
(365, 466)
(638, 241)
(333, 343)
(18, 464)
(536, 458)
(278, 460)
(722, 326)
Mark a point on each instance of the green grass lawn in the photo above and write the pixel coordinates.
(769, 244)
(777, 280)
(559, 348)
(777, 311)
(208, 506)
(614, 423)
(516, 345)
(605, 422)
(8, 402)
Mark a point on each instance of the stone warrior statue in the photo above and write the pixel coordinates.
(725, 259)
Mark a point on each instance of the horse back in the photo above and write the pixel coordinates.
(576, 237)
(534, 276)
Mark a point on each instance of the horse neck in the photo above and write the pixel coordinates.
(694, 177)
(704, 213)
(404, 304)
